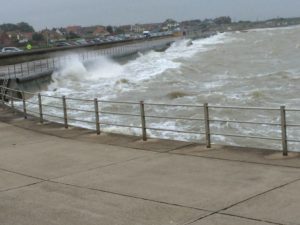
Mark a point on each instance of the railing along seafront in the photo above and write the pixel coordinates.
(27, 69)
(15, 98)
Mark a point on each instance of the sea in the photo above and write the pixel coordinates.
(251, 69)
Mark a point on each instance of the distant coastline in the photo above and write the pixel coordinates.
(206, 28)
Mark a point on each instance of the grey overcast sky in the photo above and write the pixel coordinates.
(56, 13)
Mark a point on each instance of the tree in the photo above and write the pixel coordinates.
(222, 20)
(22, 27)
(6, 27)
(25, 27)
(110, 29)
(119, 31)
(72, 35)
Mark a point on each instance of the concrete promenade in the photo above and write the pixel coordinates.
(53, 176)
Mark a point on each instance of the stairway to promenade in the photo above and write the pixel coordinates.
(52, 175)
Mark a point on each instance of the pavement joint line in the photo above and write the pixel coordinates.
(70, 138)
(245, 200)
(199, 218)
(242, 217)
(234, 160)
(23, 174)
(260, 194)
(178, 205)
(23, 186)
(98, 167)
(248, 218)
(128, 196)
(180, 147)
(167, 152)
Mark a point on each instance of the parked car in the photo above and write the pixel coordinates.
(62, 44)
(11, 49)
(82, 42)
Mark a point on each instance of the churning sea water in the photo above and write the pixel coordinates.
(257, 68)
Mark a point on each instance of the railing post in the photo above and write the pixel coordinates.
(207, 126)
(47, 64)
(24, 105)
(3, 95)
(97, 120)
(22, 69)
(28, 70)
(15, 72)
(65, 112)
(12, 100)
(283, 131)
(41, 65)
(40, 108)
(143, 119)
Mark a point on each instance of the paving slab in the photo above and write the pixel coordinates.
(11, 136)
(108, 138)
(218, 219)
(281, 205)
(157, 145)
(53, 129)
(11, 180)
(56, 204)
(190, 181)
(45, 156)
(63, 157)
(252, 155)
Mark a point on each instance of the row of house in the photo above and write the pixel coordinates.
(73, 32)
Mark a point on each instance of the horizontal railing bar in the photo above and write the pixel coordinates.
(79, 99)
(291, 140)
(173, 105)
(119, 125)
(27, 92)
(44, 114)
(10, 89)
(245, 122)
(292, 110)
(32, 103)
(6, 95)
(80, 110)
(28, 110)
(243, 108)
(175, 131)
(293, 125)
(245, 136)
(48, 96)
(15, 98)
(52, 106)
(120, 114)
(83, 121)
(174, 118)
(118, 102)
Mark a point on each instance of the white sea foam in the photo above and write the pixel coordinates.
(105, 77)
(220, 70)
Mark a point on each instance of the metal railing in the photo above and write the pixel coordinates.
(28, 69)
(65, 110)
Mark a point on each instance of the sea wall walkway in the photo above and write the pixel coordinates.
(32, 69)
(50, 175)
